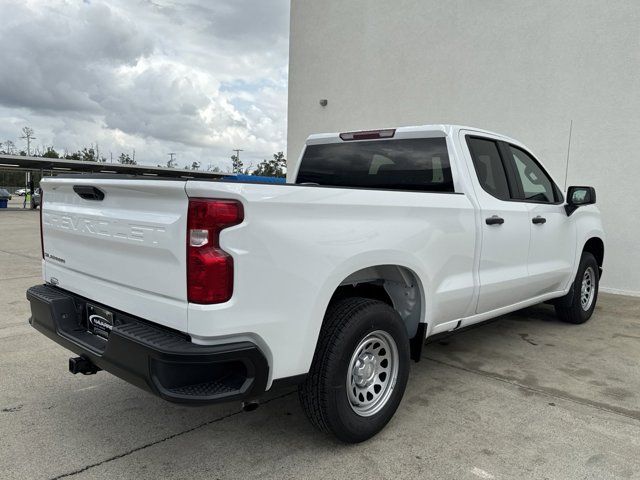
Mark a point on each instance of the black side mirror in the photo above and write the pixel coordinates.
(578, 197)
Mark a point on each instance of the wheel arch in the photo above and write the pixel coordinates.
(595, 246)
(396, 285)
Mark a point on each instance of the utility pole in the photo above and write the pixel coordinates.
(134, 155)
(172, 158)
(28, 135)
(238, 150)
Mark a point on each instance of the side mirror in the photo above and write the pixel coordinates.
(578, 197)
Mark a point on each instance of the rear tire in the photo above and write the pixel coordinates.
(359, 370)
(579, 304)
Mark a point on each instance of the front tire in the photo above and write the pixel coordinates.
(584, 294)
(359, 370)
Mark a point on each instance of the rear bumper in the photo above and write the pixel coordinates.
(156, 359)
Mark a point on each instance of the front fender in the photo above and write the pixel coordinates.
(588, 225)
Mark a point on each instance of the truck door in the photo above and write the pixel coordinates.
(505, 227)
(553, 233)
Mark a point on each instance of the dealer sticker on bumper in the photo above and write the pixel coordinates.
(99, 321)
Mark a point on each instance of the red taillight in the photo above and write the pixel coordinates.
(41, 233)
(368, 135)
(209, 268)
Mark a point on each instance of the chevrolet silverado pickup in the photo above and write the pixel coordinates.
(203, 291)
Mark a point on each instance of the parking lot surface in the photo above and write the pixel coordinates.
(524, 396)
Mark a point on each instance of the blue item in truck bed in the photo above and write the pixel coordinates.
(253, 179)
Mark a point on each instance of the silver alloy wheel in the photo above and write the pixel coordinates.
(587, 291)
(372, 373)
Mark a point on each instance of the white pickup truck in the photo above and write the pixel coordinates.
(208, 291)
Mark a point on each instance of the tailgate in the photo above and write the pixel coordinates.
(126, 250)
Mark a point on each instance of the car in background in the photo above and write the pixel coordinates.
(21, 192)
(5, 196)
(36, 198)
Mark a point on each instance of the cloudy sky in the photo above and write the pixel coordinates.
(198, 78)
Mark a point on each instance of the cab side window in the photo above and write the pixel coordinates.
(489, 167)
(536, 185)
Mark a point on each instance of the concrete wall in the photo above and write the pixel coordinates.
(522, 68)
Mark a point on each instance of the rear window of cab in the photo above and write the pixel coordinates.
(416, 164)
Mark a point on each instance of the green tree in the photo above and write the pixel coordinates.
(195, 166)
(88, 155)
(50, 153)
(125, 159)
(236, 164)
(276, 167)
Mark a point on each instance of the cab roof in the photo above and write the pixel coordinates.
(436, 130)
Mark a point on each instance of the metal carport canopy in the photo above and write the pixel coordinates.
(60, 165)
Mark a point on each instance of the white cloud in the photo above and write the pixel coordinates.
(196, 78)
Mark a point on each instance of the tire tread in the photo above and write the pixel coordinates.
(573, 313)
(312, 392)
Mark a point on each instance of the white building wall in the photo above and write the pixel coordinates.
(523, 68)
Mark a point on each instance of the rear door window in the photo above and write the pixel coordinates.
(420, 164)
(489, 167)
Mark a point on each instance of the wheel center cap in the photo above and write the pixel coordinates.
(365, 369)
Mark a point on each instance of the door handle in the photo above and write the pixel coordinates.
(494, 220)
(539, 220)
